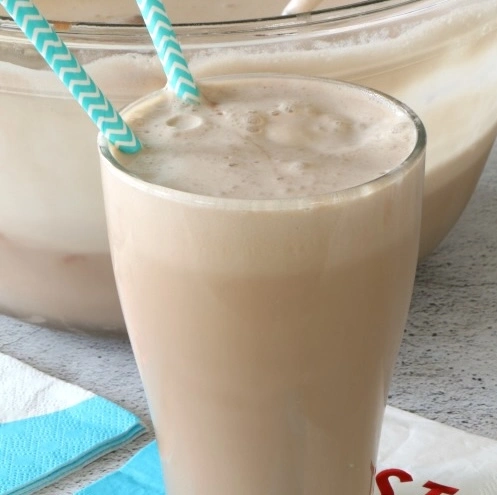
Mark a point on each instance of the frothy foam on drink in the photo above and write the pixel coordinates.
(260, 141)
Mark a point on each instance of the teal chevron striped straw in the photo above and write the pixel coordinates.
(64, 64)
(179, 77)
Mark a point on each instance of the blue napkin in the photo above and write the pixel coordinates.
(49, 428)
(141, 475)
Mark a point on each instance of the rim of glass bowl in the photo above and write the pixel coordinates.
(235, 32)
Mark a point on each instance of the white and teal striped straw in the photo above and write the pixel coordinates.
(179, 77)
(78, 82)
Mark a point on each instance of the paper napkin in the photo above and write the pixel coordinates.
(417, 457)
(49, 428)
(423, 457)
(141, 475)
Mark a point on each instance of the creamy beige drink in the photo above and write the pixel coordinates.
(264, 245)
(438, 57)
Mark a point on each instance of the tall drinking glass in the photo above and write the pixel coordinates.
(264, 245)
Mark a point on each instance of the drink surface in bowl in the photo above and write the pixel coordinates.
(438, 56)
(264, 245)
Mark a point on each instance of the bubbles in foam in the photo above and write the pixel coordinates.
(184, 122)
(254, 122)
(255, 118)
(286, 107)
(279, 148)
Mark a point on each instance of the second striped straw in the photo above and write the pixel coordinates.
(179, 78)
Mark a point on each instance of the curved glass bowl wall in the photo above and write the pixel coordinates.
(438, 56)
